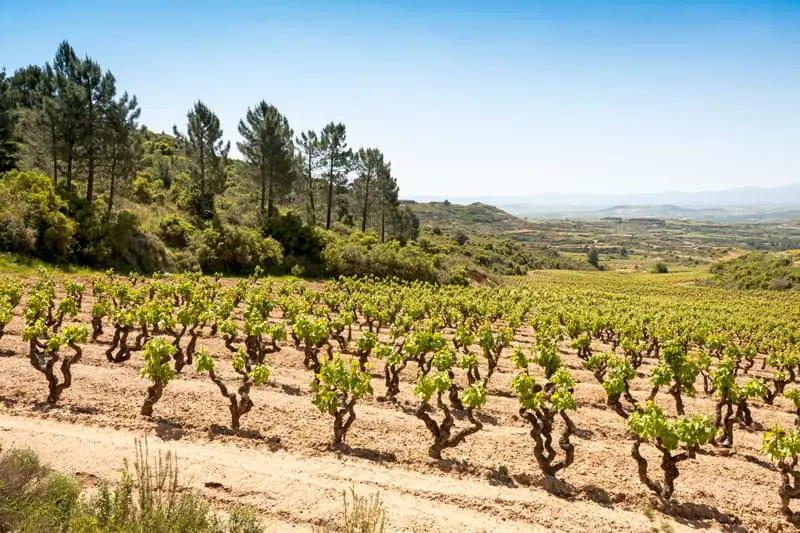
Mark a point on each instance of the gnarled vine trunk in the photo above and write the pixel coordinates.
(442, 433)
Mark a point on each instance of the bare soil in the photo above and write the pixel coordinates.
(280, 463)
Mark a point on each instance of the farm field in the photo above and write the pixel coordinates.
(591, 345)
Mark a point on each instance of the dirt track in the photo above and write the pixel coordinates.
(282, 467)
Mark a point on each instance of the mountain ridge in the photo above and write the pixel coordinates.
(784, 195)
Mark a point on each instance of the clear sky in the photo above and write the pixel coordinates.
(469, 98)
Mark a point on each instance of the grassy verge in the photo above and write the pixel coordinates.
(21, 265)
(147, 498)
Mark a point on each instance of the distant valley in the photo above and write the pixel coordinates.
(746, 204)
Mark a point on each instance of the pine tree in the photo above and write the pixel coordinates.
(35, 93)
(268, 149)
(8, 143)
(67, 105)
(405, 224)
(310, 153)
(122, 143)
(370, 162)
(209, 153)
(386, 192)
(338, 160)
(97, 92)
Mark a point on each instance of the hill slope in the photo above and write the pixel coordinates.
(485, 235)
(478, 218)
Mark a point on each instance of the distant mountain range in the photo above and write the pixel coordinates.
(739, 204)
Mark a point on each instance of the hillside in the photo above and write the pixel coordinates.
(485, 234)
(83, 183)
(633, 240)
(473, 218)
(763, 271)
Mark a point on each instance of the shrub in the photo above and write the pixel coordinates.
(660, 268)
(15, 236)
(132, 248)
(458, 276)
(360, 515)
(144, 188)
(31, 202)
(32, 497)
(758, 271)
(175, 231)
(780, 284)
(593, 257)
(360, 255)
(150, 498)
(301, 243)
(233, 250)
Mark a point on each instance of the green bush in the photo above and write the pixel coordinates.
(302, 244)
(149, 498)
(361, 254)
(15, 236)
(31, 203)
(175, 231)
(144, 187)
(118, 241)
(759, 270)
(660, 268)
(221, 248)
(33, 498)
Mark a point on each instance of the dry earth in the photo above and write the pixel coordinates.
(282, 467)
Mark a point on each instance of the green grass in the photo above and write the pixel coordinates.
(20, 265)
(147, 498)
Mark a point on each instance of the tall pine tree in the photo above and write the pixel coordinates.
(337, 161)
(310, 160)
(8, 141)
(369, 162)
(268, 149)
(386, 193)
(68, 104)
(97, 92)
(208, 153)
(122, 143)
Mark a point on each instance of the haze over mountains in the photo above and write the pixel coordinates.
(736, 204)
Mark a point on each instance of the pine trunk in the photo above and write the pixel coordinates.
(90, 153)
(54, 148)
(311, 192)
(330, 196)
(263, 188)
(270, 195)
(366, 204)
(113, 182)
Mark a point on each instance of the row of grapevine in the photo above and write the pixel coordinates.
(447, 344)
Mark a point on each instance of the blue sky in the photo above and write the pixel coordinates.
(469, 98)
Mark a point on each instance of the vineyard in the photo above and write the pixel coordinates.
(598, 395)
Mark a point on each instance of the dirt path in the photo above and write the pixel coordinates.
(296, 493)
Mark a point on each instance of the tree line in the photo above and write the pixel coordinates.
(69, 120)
